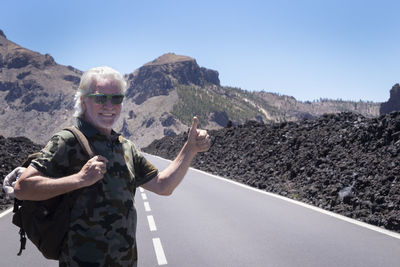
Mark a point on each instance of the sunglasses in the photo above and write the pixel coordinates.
(102, 98)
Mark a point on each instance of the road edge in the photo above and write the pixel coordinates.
(302, 204)
(7, 211)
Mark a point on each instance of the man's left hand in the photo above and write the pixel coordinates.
(11, 179)
(198, 139)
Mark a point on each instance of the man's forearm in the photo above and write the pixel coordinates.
(42, 188)
(33, 185)
(170, 178)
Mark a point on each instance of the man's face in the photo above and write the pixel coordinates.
(102, 116)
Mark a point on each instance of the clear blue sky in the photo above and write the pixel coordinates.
(308, 49)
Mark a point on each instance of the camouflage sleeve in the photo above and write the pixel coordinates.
(53, 160)
(144, 170)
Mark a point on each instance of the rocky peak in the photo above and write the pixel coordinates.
(31, 81)
(393, 104)
(169, 58)
(2, 34)
(14, 56)
(161, 75)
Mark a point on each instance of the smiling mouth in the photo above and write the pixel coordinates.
(107, 114)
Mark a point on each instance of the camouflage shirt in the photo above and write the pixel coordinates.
(103, 218)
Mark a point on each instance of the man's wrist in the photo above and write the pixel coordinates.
(190, 149)
(79, 181)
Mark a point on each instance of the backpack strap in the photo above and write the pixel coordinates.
(28, 160)
(95, 188)
(22, 240)
(82, 140)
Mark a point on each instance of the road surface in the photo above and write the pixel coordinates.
(210, 221)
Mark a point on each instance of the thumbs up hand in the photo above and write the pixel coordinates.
(198, 139)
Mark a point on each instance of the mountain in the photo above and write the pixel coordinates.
(162, 75)
(36, 95)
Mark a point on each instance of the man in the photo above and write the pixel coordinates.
(103, 219)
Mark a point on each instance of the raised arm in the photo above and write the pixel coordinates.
(167, 180)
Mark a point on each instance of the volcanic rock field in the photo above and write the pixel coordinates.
(344, 163)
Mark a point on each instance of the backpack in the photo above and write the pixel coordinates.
(46, 222)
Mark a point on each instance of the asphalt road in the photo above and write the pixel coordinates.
(213, 222)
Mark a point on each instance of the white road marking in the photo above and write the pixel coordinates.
(4, 213)
(152, 223)
(329, 213)
(326, 212)
(161, 259)
(160, 255)
(147, 206)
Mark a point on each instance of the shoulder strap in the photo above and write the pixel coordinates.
(95, 188)
(82, 140)
(28, 160)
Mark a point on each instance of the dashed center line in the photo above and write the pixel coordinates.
(161, 259)
(152, 223)
(147, 206)
(158, 249)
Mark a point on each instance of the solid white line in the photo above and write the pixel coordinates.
(152, 223)
(161, 259)
(329, 213)
(144, 197)
(4, 213)
(326, 212)
(147, 206)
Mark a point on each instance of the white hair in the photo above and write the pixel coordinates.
(94, 75)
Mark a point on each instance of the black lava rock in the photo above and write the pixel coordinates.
(344, 163)
(13, 151)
